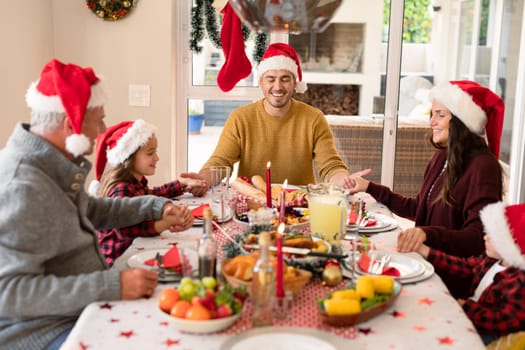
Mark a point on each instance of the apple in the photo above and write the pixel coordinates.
(224, 311)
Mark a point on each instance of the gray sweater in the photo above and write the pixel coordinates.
(50, 263)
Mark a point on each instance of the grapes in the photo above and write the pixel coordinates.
(209, 282)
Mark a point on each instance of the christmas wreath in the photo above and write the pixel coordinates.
(111, 10)
(204, 18)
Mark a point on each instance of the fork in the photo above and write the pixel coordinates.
(160, 266)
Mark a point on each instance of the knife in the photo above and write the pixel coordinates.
(300, 251)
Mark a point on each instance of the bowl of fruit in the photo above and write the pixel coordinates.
(369, 297)
(202, 306)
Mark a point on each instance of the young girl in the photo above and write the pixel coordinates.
(130, 149)
(496, 281)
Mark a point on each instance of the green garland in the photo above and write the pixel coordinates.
(204, 17)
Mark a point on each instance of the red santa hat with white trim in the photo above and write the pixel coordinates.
(480, 109)
(283, 56)
(117, 144)
(505, 226)
(69, 89)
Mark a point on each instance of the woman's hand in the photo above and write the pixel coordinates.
(411, 240)
(194, 183)
(353, 182)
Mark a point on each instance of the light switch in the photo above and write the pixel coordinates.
(139, 95)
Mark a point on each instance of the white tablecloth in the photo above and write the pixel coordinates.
(424, 316)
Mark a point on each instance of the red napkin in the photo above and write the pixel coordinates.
(364, 264)
(197, 213)
(371, 223)
(171, 260)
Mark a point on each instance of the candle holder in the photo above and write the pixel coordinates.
(282, 306)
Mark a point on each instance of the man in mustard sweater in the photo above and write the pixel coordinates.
(292, 135)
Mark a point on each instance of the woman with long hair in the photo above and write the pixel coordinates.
(462, 177)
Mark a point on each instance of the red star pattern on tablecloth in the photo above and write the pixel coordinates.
(82, 346)
(420, 328)
(365, 331)
(106, 306)
(170, 342)
(446, 341)
(114, 320)
(164, 323)
(396, 313)
(127, 334)
(426, 301)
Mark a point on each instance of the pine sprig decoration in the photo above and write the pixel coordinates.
(231, 249)
(261, 43)
(197, 27)
(211, 24)
(204, 18)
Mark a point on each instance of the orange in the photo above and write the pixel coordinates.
(168, 298)
(180, 309)
(198, 312)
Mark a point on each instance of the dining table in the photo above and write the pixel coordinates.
(424, 315)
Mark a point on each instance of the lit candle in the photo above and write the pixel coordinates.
(280, 278)
(282, 200)
(268, 186)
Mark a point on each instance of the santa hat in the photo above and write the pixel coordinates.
(477, 107)
(117, 144)
(505, 226)
(282, 56)
(69, 89)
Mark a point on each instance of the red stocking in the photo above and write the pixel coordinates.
(236, 65)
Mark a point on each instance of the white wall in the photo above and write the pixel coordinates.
(137, 49)
(26, 36)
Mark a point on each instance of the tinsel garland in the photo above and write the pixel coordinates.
(204, 8)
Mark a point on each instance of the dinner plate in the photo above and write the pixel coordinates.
(427, 273)
(284, 338)
(138, 260)
(288, 228)
(384, 223)
(408, 267)
(216, 210)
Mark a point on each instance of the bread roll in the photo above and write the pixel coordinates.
(259, 183)
(246, 189)
(276, 192)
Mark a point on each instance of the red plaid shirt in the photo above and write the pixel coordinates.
(501, 307)
(114, 242)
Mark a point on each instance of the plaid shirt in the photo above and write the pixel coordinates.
(114, 242)
(501, 307)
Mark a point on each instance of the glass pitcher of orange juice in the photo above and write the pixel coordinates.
(328, 207)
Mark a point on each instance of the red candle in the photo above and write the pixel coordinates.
(282, 200)
(268, 186)
(280, 278)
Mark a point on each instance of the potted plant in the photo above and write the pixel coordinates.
(195, 116)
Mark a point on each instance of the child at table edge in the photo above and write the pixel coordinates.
(130, 149)
(496, 306)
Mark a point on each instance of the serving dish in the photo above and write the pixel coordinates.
(205, 326)
(294, 285)
(363, 316)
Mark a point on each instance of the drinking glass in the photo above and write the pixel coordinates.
(328, 211)
(220, 181)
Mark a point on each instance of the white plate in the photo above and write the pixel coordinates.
(408, 267)
(427, 273)
(216, 210)
(384, 223)
(137, 260)
(285, 338)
